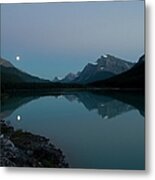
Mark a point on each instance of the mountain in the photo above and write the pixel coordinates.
(92, 73)
(133, 78)
(105, 67)
(56, 79)
(70, 77)
(10, 74)
(5, 63)
(67, 79)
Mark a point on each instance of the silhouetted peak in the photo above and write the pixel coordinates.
(5, 63)
(141, 59)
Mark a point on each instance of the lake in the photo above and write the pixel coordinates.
(94, 130)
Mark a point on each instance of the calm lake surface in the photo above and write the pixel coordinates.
(93, 130)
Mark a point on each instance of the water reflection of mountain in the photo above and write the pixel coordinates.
(107, 107)
(134, 98)
(9, 105)
(107, 104)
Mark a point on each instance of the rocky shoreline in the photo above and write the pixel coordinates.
(24, 149)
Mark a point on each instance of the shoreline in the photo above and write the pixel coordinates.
(24, 149)
(64, 91)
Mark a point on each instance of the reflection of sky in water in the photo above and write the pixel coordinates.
(87, 139)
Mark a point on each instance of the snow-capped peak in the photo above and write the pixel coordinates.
(105, 56)
(94, 63)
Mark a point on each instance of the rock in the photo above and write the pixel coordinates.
(24, 149)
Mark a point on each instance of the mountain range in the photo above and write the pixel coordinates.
(105, 67)
(133, 78)
(9, 73)
(107, 72)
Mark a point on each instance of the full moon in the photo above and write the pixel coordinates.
(18, 117)
(18, 58)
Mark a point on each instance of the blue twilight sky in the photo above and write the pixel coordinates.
(53, 39)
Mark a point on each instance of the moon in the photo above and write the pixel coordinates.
(18, 117)
(18, 58)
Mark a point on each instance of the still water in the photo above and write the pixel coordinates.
(93, 130)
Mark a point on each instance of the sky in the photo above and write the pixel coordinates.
(53, 39)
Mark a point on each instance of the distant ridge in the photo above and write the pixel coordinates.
(112, 73)
(105, 67)
(10, 74)
(5, 63)
(133, 78)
